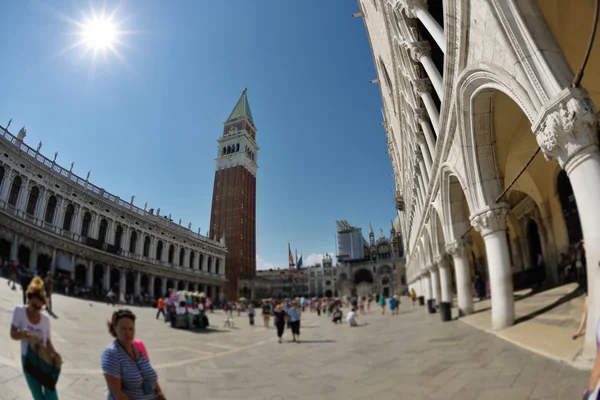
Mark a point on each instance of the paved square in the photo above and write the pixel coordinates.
(412, 355)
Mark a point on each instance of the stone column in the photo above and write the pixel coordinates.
(163, 286)
(122, 280)
(58, 217)
(445, 279)
(110, 234)
(415, 9)
(421, 52)
(107, 278)
(76, 229)
(7, 182)
(165, 253)
(33, 258)
(204, 263)
(186, 258)
(422, 88)
(138, 283)
(422, 142)
(151, 286)
(422, 168)
(23, 194)
(428, 292)
(53, 264)
(94, 226)
(491, 223)
(90, 275)
(567, 132)
(125, 240)
(139, 244)
(435, 285)
(40, 207)
(462, 270)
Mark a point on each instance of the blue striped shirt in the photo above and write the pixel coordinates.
(294, 315)
(117, 363)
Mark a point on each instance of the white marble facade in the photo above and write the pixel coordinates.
(53, 220)
(449, 72)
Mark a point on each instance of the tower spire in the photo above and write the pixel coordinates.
(241, 110)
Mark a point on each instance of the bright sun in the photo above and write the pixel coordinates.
(99, 34)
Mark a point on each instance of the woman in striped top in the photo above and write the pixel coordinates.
(125, 364)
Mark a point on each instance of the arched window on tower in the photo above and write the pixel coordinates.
(181, 256)
(237, 147)
(85, 224)
(224, 150)
(68, 218)
(50, 208)
(1, 175)
(14, 191)
(102, 230)
(118, 236)
(217, 266)
(192, 259)
(32, 201)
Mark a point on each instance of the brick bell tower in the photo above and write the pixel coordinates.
(233, 213)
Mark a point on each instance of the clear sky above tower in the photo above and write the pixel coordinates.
(138, 97)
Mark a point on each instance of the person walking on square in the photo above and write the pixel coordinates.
(279, 321)
(161, 308)
(393, 304)
(30, 326)
(382, 304)
(251, 314)
(413, 296)
(125, 362)
(266, 313)
(294, 321)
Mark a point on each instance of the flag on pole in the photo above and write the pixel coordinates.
(299, 264)
(292, 264)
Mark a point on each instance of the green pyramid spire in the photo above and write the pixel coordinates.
(241, 109)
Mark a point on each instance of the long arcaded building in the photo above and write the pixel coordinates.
(53, 220)
(494, 143)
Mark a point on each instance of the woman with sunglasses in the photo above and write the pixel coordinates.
(29, 322)
(125, 363)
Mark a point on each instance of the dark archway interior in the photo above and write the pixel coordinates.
(363, 275)
(80, 275)
(129, 283)
(170, 285)
(98, 279)
(144, 284)
(23, 255)
(4, 249)
(180, 286)
(44, 263)
(535, 245)
(158, 287)
(115, 277)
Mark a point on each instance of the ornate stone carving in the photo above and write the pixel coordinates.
(411, 7)
(419, 49)
(419, 155)
(567, 127)
(421, 86)
(491, 220)
(457, 248)
(420, 136)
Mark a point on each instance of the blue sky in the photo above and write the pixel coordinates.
(145, 122)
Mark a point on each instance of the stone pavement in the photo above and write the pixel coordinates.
(412, 355)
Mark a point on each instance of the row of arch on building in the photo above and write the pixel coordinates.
(235, 148)
(49, 211)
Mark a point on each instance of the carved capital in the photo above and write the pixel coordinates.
(421, 115)
(457, 248)
(567, 129)
(411, 7)
(419, 49)
(491, 220)
(419, 155)
(420, 136)
(421, 86)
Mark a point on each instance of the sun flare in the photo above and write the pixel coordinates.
(99, 33)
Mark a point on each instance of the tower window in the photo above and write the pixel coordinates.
(217, 197)
(215, 226)
(242, 221)
(218, 184)
(242, 205)
(242, 191)
(216, 212)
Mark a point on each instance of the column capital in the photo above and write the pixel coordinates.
(457, 248)
(421, 86)
(421, 115)
(411, 7)
(419, 50)
(420, 136)
(490, 220)
(566, 128)
(419, 155)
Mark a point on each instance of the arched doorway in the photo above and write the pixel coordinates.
(158, 287)
(170, 285)
(23, 255)
(328, 293)
(190, 287)
(363, 283)
(145, 284)
(115, 278)
(44, 262)
(180, 285)
(129, 283)
(80, 275)
(569, 207)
